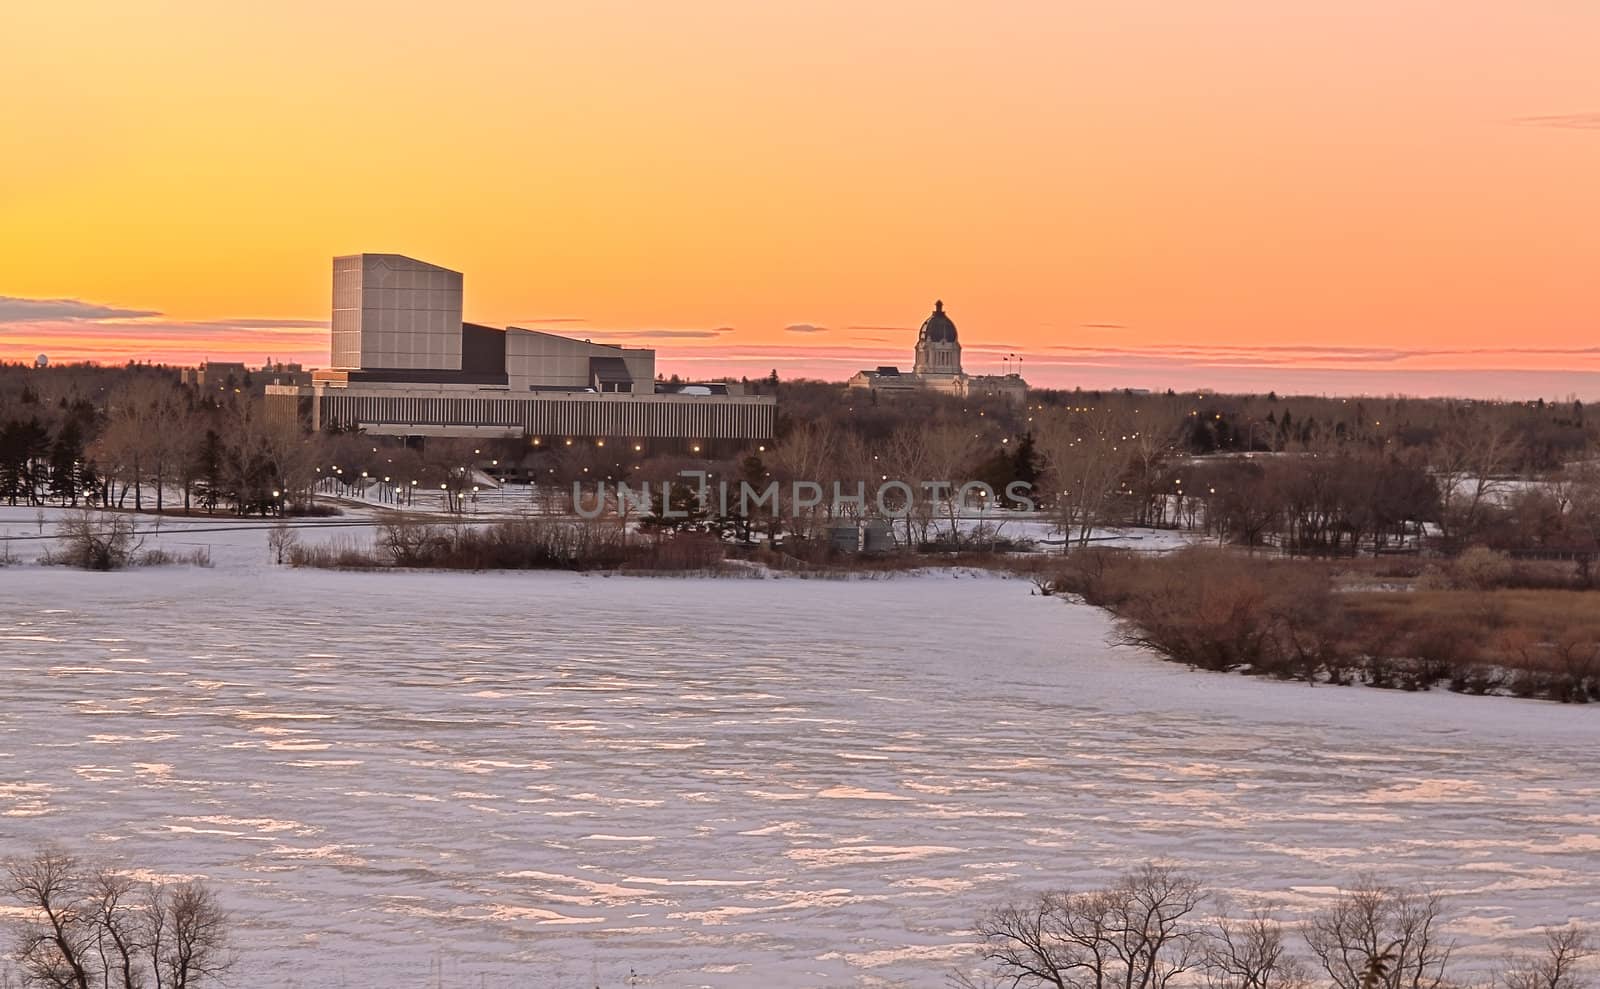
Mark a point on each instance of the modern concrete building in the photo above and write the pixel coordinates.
(937, 367)
(390, 311)
(405, 364)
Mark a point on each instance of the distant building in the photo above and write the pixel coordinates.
(936, 366)
(216, 376)
(279, 373)
(406, 364)
(862, 536)
(231, 376)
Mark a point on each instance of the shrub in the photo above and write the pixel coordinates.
(685, 552)
(98, 542)
(318, 510)
(339, 554)
(1435, 651)
(1219, 609)
(281, 541)
(200, 556)
(1208, 608)
(1100, 576)
(525, 544)
(1481, 568)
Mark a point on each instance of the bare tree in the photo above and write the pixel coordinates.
(1087, 455)
(55, 946)
(1152, 443)
(447, 466)
(1137, 933)
(1251, 953)
(188, 936)
(1380, 937)
(96, 928)
(1560, 965)
(1578, 494)
(804, 456)
(281, 541)
(952, 451)
(119, 937)
(906, 460)
(294, 455)
(168, 442)
(96, 542)
(1469, 462)
(117, 455)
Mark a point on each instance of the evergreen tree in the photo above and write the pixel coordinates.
(684, 504)
(66, 463)
(1025, 460)
(209, 455)
(24, 453)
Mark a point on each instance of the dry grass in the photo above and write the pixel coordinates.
(1221, 610)
(1533, 643)
(1556, 613)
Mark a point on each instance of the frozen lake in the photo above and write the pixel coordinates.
(555, 780)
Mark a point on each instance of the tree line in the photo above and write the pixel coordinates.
(141, 441)
(1156, 927)
(1302, 474)
(135, 438)
(80, 925)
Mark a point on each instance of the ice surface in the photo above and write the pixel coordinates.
(553, 780)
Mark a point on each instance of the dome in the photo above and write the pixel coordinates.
(938, 328)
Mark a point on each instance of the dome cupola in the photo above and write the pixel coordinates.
(937, 328)
(938, 350)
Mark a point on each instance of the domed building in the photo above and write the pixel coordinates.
(936, 366)
(938, 349)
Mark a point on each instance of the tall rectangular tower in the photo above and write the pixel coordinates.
(391, 311)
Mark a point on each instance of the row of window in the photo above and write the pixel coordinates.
(557, 417)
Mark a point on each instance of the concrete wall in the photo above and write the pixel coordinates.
(464, 410)
(535, 359)
(391, 311)
(641, 364)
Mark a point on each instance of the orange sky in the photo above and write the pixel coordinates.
(1363, 195)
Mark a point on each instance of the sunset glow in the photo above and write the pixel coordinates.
(1330, 197)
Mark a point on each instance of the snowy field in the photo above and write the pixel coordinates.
(496, 780)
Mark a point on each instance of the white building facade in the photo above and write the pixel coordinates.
(404, 363)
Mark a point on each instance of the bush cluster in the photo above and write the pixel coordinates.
(523, 544)
(1463, 628)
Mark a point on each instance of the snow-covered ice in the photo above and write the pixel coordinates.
(550, 779)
